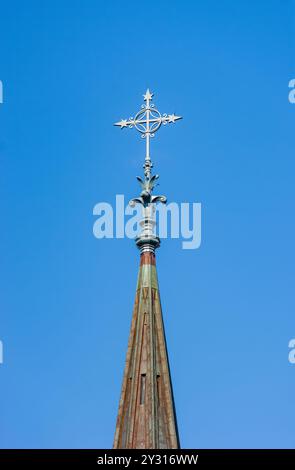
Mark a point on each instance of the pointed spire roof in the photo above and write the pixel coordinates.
(146, 418)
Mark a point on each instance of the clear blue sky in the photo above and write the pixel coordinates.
(69, 70)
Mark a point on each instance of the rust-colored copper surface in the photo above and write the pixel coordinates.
(146, 417)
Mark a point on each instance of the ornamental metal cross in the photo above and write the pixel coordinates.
(148, 121)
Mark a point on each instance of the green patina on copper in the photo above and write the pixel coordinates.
(147, 277)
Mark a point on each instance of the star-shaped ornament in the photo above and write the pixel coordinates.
(173, 118)
(148, 95)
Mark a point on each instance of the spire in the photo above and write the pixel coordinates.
(146, 417)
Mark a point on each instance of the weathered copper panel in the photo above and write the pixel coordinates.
(146, 417)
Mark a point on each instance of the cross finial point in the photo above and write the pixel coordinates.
(148, 95)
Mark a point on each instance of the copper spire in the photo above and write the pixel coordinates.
(146, 417)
